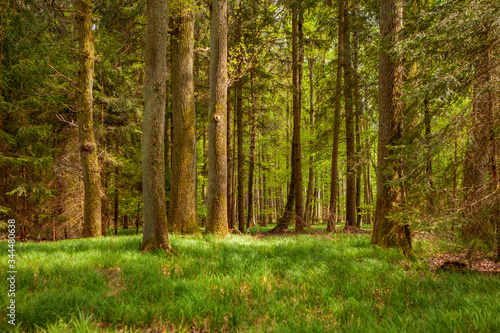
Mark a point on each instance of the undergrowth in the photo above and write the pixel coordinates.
(244, 283)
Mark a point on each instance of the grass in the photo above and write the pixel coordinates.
(300, 283)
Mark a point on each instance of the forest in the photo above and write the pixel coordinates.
(248, 166)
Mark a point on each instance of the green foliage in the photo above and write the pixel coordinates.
(291, 283)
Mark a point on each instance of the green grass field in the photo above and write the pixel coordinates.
(297, 283)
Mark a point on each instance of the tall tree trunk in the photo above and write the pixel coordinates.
(297, 84)
(155, 234)
(217, 128)
(117, 199)
(387, 231)
(479, 155)
(310, 183)
(266, 206)
(88, 147)
(182, 213)
(350, 199)
(137, 216)
(427, 124)
(251, 165)
(230, 163)
(239, 116)
(368, 196)
(334, 186)
(359, 112)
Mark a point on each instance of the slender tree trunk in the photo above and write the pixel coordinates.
(368, 198)
(137, 216)
(182, 213)
(350, 198)
(104, 203)
(310, 183)
(217, 128)
(117, 199)
(230, 163)
(251, 165)
(359, 112)
(427, 124)
(386, 231)
(266, 202)
(334, 186)
(297, 155)
(88, 147)
(155, 234)
(239, 116)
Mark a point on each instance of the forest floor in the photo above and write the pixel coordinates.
(313, 282)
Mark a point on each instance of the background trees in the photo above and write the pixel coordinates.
(445, 102)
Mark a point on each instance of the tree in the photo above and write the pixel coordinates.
(88, 147)
(251, 166)
(387, 230)
(239, 122)
(155, 235)
(297, 88)
(217, 128)
(350, 200)
(334, 186)
(182, 213)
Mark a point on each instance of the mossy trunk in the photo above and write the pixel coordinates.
(182, 213)
(217, 122)
(155, 234)
(388, 230)
(88, 147)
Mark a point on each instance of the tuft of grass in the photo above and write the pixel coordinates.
(293, 283)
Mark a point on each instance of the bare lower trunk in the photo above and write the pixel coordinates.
(230, 163)
(334, 186)
(251, 164)
(350, 198)
(297, 78)
(217, 128)
(182, 213)
(155, 234)
(310, 182)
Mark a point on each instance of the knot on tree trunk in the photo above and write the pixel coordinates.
(87, 146)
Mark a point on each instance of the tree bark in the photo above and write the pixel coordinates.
(251, 165)
(155, 234)
(359, 113)
(217, 130)
(117, 199)
(182, 213)
(297, 84)
(239, 116)
(86, 139)
(230, 163)
(334, 186)
(350, 199)
(389, 231)
(310, 182)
